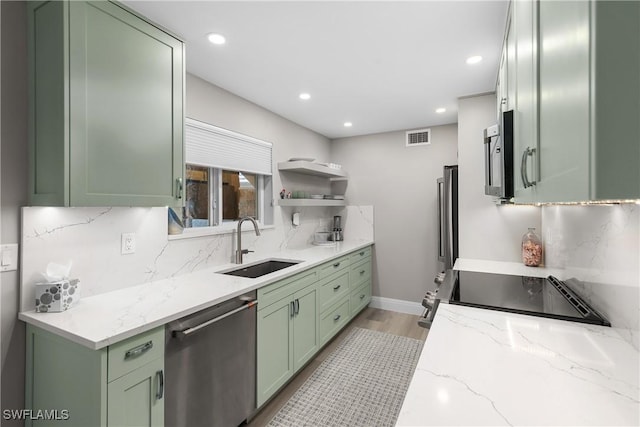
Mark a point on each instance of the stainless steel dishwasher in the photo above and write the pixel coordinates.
(210, 365)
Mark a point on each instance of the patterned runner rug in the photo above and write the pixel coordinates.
(362, 383)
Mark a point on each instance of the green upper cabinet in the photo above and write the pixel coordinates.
(106, 107)
(524, 20)
(578, 101)
(589, 101)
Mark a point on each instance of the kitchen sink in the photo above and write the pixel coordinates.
(260, 269)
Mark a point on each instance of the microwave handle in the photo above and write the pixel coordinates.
(487, 161)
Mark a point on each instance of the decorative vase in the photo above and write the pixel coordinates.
(531, 249)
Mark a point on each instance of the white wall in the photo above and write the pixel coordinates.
(401, 184)
(487, 231)
(216, 106)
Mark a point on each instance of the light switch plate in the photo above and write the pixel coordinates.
(9, 257)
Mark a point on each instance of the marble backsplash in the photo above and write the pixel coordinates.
(90, 238)
(600, 246)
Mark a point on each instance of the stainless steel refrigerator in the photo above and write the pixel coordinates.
(448, 218)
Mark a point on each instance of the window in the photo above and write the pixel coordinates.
(215, 196)
(228, 176)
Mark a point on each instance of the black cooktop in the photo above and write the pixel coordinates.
(544, 297)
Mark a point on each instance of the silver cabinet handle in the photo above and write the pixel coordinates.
(335, 288)
(179, 188)
(336, 265)
(362, 271)
(137, 351)
(335, 319)
(297, 306)
(362, 296)
(362, 253)
(523, 167)
(292, 306)
(160, 393)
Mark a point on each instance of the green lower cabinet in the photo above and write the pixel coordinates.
(300, 314)
(117, 386)
(135, 399)
(305, 327)
(287, 338)
(333, 320)
(360, 298)
(333, 289)
(274, 348)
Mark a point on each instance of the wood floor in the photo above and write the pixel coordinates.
(370, 318)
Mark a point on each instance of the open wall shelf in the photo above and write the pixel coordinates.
(310, 168)
(311, 202)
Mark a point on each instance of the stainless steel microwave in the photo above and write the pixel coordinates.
(498, 158)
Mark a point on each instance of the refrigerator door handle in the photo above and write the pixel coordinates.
(441, 225)
(447, 227)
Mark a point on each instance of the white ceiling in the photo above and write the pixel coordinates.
(382, 65)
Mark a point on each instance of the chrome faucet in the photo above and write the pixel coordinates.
(239, 250)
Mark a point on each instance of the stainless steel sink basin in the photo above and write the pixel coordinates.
(260, 269)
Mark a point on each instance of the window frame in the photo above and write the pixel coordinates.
(216, 225)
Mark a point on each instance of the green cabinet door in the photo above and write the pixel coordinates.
(564, 64)
(287, 338)
(106, 107)
(136, 399)
(524, 15)
(588, 65)
(305, 326)
(274, 348)
(63, 375)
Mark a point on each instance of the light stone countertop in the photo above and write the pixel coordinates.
(102, 320)
(486, 367)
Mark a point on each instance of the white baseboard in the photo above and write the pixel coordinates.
(398, 305)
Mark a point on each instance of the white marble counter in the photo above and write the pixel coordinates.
(484, 367)
(104, 319)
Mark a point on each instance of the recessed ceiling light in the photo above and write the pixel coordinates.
(348, 124)
(474, 59)
(305, 96)
(216, 38)
(440, 110)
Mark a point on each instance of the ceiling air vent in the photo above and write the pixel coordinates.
(418, 137)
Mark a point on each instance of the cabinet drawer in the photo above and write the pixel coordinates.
(360, 255)
(333, 288)
(276, 291)
(360, 298)
(333, 320)
(333, 266)
(360, 273)
(134, 352)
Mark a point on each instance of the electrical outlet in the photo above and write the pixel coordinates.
(128, 243)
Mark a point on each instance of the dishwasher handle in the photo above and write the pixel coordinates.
(189, 331)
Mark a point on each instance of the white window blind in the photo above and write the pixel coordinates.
(214, 147)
